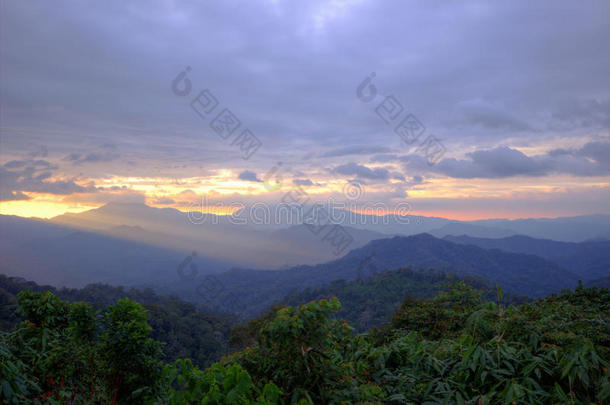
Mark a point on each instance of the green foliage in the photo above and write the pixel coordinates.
(370, 303)
(57, 356)
(186, 331)
(298, 351)
(217, 385)
(52, 350)
(15, 379)
(561, 320)
(455, 348)
(243, 336)
(464, 371)
(444, 315)
(131, 358)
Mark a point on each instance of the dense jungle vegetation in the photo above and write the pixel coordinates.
(186, 330)
(453, 348)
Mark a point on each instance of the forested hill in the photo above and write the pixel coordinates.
(455, 348)
(517, 273)
(589, 259)
(256, 290)
(186, 330)
(371, 302)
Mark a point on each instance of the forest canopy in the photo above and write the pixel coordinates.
(453, 348)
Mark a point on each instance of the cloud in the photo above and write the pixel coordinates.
(583, 113)
(398, 193)
(398, 176)
(76, 75)
(488, 115)
(598, 151)
(164, 201)
(384, 158)
(494, 163)
(39, 151)
(356, 150)
(363, 172)
(247, 175)
(95, 157)
(502, 162)
(8, 195)
(32, 164)
(31, 176)
(415, 181)
(302, 182)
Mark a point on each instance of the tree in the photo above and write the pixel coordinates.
(132, 359)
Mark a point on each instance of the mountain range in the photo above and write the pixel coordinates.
(253, 290)
(589, 259)
(138, 245)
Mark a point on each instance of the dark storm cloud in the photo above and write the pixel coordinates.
(247, 175)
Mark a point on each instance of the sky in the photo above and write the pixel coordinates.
(465, 110)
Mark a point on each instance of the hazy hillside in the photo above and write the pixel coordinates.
(599, 282)
(123, 244)
(462, 228)
(62, 256)
(588, 260)
(240, 241)
(567, 229)
(251, 291)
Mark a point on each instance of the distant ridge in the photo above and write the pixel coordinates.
(516, 273)
(589, 259)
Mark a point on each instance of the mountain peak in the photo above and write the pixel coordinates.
(123, 205)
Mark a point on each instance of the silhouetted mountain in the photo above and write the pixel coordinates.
(314, 249)
(566, 229)
(599, 282)
(237, 240)
(251, 291)
(62, 256)
(133, 244)
(588, 260)
(462, 228)
(390, 224)
(274, 238)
